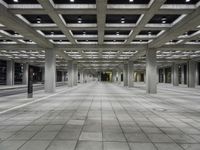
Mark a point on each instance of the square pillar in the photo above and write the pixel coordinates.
(63, 76)
(191, 73)
(125, 75)
(25, 74)
(175, 72)
(75, 80)
(182, 74)
(164, 76)
(114, 76)
(151, 71)
(70, 73)
(130, 74)
(10, 75)
(197, 74)
(50, 71)
(81, 76)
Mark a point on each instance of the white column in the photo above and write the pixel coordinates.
(63, 76)
(25, 74)
(182, 74)
(197, 74)
(43, 74)
(81, 76)
(130, 74)
(114, 76)
(50, 71)
(75, 74)
(164, 76)
(191, 73)
(175, 79)
(151, 71)
(70, 73)
(125, 75)
(118, 76)
(10, 77)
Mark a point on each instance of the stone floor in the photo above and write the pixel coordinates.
(104, 116)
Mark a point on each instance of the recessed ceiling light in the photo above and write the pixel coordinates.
(38, 19)
(79, 20)
(131, 1)
(72, 1)
(16, 1)
(164, 20)
(187, 0)
(122, 20)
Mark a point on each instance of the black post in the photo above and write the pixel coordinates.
(30, 82)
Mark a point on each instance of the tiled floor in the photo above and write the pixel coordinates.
(103, 116)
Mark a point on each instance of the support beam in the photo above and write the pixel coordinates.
(154, 7)
(50, 71)
(14, 23)
(191, 67)
(189, 22)
(130, 74)
(10, 75)
(25, 74)
(125, 75)
(151, 71)
(101, 19)
(175, 74)
(48, 6)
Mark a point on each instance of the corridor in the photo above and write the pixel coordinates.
(102, 116)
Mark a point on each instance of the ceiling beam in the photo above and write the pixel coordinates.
(154, 7)
(92, 47)
(14, 23)
(189, 22)
(49, 8)
(101, 19)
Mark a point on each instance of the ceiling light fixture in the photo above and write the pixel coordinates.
(38, 19)
(79, 20)
(131, 1)
(164, 20)
(122, 20)
(187, 1)
(16, 1)
(72, 1)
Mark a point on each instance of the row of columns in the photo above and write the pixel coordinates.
(192, 74)
(151, 78)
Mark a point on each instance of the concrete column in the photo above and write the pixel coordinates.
(151, 71)
(10, 77)
(175, 80)
(182, 74)
(50, 71)
(63, 76)
(191, 73)
(130, 74)
(164, 76)
(75, 80)
(125, 75)
(144, 76)
(81, 76)
(197, 74)
(43, 74)
(118, 76)
(70, 73)
(114, 76)
(25, 74)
